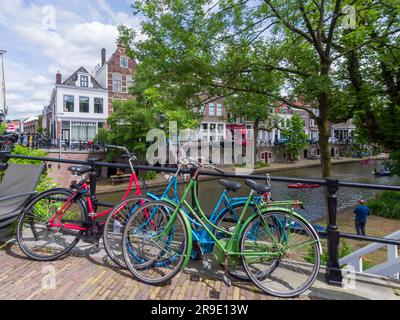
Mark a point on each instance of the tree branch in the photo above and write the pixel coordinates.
(287, 24)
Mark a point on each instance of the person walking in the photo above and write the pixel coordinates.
(361, 212)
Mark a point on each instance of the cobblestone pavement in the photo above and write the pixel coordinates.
(86, 278)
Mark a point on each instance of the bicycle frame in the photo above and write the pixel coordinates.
(90, 214)
(231, 248)
(198, 232)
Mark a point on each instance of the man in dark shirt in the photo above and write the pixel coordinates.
(361, 212)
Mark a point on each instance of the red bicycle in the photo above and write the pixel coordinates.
(52, 224)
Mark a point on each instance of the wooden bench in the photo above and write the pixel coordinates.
(120, 178)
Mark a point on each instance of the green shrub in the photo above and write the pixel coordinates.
(344, 250)
(20, 150)
(257, 165)
(148, 175)
(386, 205)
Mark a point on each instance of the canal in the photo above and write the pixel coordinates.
(313, 198)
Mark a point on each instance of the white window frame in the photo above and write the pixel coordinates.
(219, 110)
(124, 65)
(211, 105)
(114, 81)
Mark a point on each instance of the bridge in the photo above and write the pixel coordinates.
(382, 278)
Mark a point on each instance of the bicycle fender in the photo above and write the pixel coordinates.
(189, 229)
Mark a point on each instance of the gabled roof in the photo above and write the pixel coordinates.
(71, 81)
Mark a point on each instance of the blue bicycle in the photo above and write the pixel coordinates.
(225, 214)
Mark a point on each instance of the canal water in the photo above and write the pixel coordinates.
(313, 199)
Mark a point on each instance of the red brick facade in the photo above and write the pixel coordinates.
(114, 68)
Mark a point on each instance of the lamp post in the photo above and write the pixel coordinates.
(59, 141)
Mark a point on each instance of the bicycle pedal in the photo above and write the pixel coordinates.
(105, 259)
(226, 280)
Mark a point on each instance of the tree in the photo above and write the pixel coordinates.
(374, 75)
(291, 52)
(297, 139)
(129, 124)
(40, 124)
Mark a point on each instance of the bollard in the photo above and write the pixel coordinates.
(333, 272)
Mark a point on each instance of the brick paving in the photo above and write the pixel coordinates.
(89, 277)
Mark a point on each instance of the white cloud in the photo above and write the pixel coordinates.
(76, 41)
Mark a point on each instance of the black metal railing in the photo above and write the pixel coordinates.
(332, 233)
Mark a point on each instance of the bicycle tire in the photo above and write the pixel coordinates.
(27, 216)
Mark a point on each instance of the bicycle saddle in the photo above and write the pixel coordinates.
(80, 169)
(230, 185)
(260, 188)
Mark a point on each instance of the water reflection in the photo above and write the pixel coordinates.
(313, 198)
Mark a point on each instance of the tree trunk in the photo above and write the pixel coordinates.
(323, 127)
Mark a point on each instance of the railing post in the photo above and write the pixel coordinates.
(93, 180)
(333, 271)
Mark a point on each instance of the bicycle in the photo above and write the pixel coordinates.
(53, 223)
(225, 212)
(280, 259)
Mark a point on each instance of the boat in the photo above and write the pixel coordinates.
(382, 173)
(367, 161)
(303, 186)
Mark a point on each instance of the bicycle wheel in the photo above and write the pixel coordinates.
(36, 238)
(228, 220)
(294, 260)
(153, 253)
(115, 226)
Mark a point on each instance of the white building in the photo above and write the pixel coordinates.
(77, 110)
(3, 105)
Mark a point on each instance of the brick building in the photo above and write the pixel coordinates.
(116, 75)
(30, 125)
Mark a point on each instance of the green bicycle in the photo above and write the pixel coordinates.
(277, 248)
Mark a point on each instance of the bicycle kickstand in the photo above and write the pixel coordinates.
(226, 278)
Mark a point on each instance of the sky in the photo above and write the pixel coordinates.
(43, 37)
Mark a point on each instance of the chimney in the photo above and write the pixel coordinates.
(103, 57)
(58, 77)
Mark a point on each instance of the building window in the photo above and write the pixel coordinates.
(211, 109)
(83, 131)
(219, 110)
(98, 105)
(129, 82)
(124, 62)
(84, 81)
(69, 103)
(101, 125)
(117, 83)
(84, 104)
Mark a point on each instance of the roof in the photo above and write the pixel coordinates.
(74, 77)
(30, 119)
